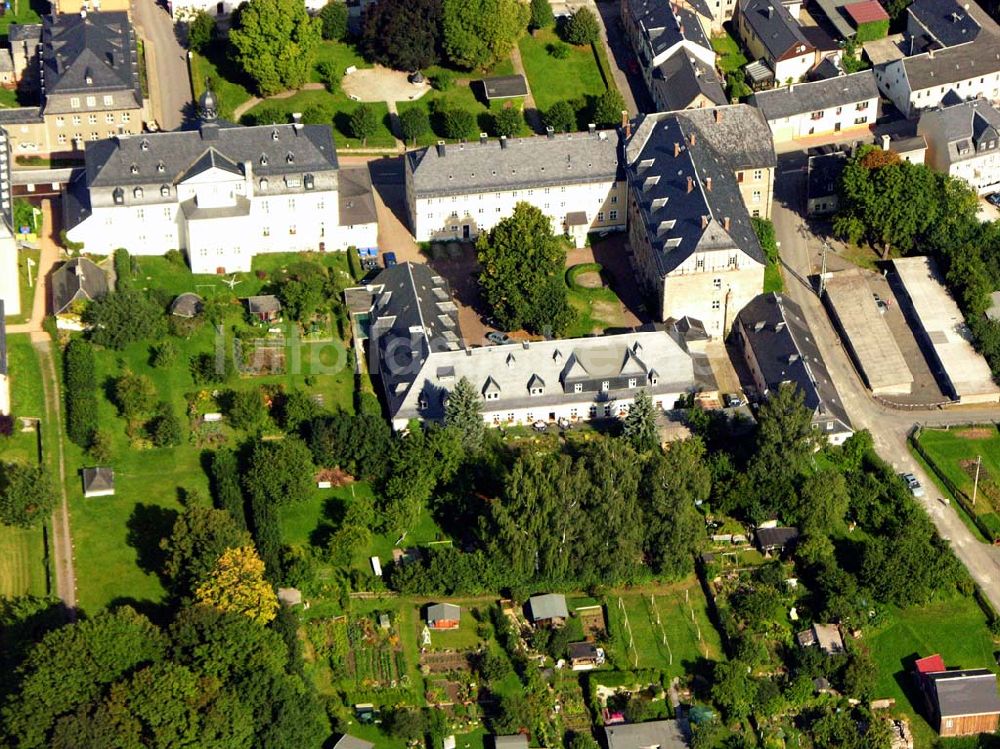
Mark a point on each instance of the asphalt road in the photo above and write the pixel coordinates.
(800, 254)
(166, 59)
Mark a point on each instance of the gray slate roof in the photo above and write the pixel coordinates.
(769, 538)
(548, 606)
(953, 64)
(521, 163)
(517, 741)
(726, 139)
(667, 24)
(824, 171)
(98, 479)
(786, 352)
(801, 98)
(263, 304)
(439, 611)
(663, 734)
(682, 78)
(167, 157)
(89, 53)
(774, 26)
(77, 280)
(582, 650)
(24, 32)
(967, 692)
(21, 116)
(968, 128)
(945, 21)
(187, 304)
(350, 742)
(505, 86)
(354, 194)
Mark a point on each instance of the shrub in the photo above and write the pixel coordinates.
(206, 370)
(175, 256)
(123, 268)
(559, 50)
(560, 117)
(334, 19)
(125, 317)
(163, 354)
(328, 74)
(101, 449)
(541, 14)
(225, 480)
(582, 27)
(363, 123)
(443, 80)
(457, 123)
(413, 123)
(246, 409)
(81, 392)
(66, 242)
(201, 31)
(165, 428)
(507, 122)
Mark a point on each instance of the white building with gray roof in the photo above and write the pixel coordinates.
(416, 350)
(696, 178)
(963, 140)
(221, 193)
(457, 191)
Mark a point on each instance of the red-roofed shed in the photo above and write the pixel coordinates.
(931, 664)
(866, 12)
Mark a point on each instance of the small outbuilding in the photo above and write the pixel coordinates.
(79, 280)
(548, 609)
(517, 741)
(187, 305)
(584, 656)
(266, 307)
(825, 636)
(443, 616)
(505, 87)
(776, 539)
(98, 482)
(290, 597)
(350, 742)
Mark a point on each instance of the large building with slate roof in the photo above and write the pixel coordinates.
(456, 191)
(935, 24)
(944, 66)
(779, 348)
(963, 140)
(774, 37)
(832, 106)
(962, 702)
(85, 69)
(662, 734)
(415, 348)
(221, 193)
(695, 180)
(686, 82)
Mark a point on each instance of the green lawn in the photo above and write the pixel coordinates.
(117, 537)
(730, 55)
(27, 292)
(338, 107)
(955, 628)
(955, 452)
(773, 280)
(23, 11)
(683, 645)
(596, 310)
(463, 638)
(230, 86)
(576, 79)
(22, 561)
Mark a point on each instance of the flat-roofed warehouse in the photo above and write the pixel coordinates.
(868, 338)
(943, 332)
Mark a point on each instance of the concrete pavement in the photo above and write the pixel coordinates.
(166, 60)
(800, 252)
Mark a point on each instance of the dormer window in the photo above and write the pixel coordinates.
(144, 144)
(537, 391)
(118, 196)
(631, 382)
(309, 182)
(274, 134)
(605, 386)
(290, 158)
(137, 193)
(263, 159)
(134, 169)
(263, 184)
(165, 191)
(161, 167)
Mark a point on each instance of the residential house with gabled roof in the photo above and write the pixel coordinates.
(87, 80)
(843, 107)
(936, 24)
(695, 180)
(686, 82)
(963, 140)
(75, 282)
(779, 348)
(773, 36)
(221, 193)
(548, 609)
(457, 191)
(961, 702)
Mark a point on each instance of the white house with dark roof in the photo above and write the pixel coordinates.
(774, 36)
(937, 24)
(696, 178)
(416, 352)
(846, 104)
(963, 140)
(221, 193)
(457, 191)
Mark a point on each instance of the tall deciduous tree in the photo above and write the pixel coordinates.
(640, 424)
(507, 122)
(582, 27)
(363, 123)
(523, 264)
(201, 31)
(541, 14)
(479, 33)
(464, 412)
(199, 538)
(280, 471)
(237, 585)
(608, 108)
(226, 486)
(125, 317)
(135, 395)
(334, 19)
(27, 495)
(275, 42)
(414, 123)
(560, 117)
(404, 36)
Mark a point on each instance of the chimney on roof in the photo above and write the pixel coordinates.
(297, 120)
(482, 139)
(725, 223)
(83, 13)
(708, 184)
(677, 149)
(591, 128)
(770, 11)
(885, 141)
(441, 148)
(690, 184)
(718, 115)
(704, 222)
(503, 141)
(693, 140)
(930, 53)
(550, 132)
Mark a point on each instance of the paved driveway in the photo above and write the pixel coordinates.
(166, 65)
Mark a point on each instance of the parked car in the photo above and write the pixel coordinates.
(389, 259)
(993, 199)
(497, 337)
(880, 303)
(913, 484)
(540, 426)
(733, 400)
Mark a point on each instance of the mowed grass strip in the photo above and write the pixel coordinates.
(22, 561)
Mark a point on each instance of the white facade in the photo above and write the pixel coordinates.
(466, 216)
(963, 141)
(834, 120)
(895, 83)
(185, 10)
(10, 289)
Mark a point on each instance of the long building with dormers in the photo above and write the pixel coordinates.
(457, 191)
(222, 194)
(696, 178)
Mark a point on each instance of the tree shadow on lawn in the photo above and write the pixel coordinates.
(147, 526)
(158, 613)
(334, 510)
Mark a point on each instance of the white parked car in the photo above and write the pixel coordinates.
(913, 484)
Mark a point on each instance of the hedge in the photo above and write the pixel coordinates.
(573, 272)
(226, 491)
(81, 392)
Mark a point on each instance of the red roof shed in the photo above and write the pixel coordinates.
(929, 665)
(866, 12)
